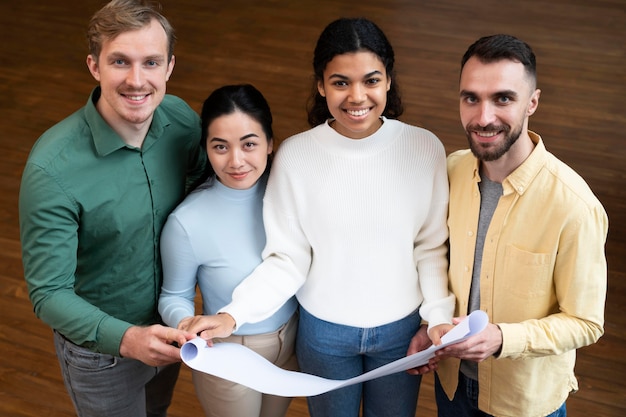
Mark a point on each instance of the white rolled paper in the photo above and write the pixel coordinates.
(241, 365)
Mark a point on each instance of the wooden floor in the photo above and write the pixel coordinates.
(580, 46)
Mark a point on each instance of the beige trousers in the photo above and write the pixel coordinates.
(222, 398)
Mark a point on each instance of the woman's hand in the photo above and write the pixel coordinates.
(207, 327)
(436, 333)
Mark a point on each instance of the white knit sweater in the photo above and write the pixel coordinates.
(355, 228)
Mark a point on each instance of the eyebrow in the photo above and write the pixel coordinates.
(503, 93)
(119, 55)
(368, 75)
(249, 135)
(244, 137)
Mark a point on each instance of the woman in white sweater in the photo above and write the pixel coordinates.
(214, 240)
(355, 216)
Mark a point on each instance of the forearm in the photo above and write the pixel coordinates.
(552, 335)
(81, 322)
(265, 291)
(579, 280)
(286, 262)
(431, 256)
(173, 308)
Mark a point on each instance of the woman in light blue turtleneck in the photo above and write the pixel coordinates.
(214, 239)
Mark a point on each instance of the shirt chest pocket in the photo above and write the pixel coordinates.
(529, 273)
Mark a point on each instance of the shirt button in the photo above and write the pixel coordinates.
(470, 233)
(466, 268)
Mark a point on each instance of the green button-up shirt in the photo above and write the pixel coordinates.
(91, 212)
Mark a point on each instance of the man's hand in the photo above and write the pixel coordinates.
(208, 327)
(152, 345)
(418, 343)
(477, 348)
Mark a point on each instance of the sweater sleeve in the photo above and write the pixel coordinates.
(179, 273)
(431, 249)
(286, 257)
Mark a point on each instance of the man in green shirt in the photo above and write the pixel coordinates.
(96, 191)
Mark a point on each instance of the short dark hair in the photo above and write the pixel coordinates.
(228, 99)
(343, 36)
(497, 47)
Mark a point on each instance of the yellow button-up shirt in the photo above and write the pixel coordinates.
(543, 279)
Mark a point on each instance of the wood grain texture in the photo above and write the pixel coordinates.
(580, 47)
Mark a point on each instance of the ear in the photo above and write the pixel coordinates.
(270, 146)
(170, 68)
(94, 69)
(534, 102)
(320, 88)
(388, 83)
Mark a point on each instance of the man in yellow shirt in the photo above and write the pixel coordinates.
(527, 240)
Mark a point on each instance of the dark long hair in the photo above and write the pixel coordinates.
(343, 36)
(227, 100)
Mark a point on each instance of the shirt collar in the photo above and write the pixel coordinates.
(106, 140)
(521, 178)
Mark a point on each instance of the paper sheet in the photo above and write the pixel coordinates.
(239, 364)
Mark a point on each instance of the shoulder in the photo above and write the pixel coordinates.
(573, 184)
(178, 108)
(298, 145)
(60, 139)
(419, 135)
(172, 101)
(300, 139)
(460, 158)
(421, 142)
(194, 214)
(199, 200)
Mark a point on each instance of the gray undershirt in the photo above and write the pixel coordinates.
(490, 193)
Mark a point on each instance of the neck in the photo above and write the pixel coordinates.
(133, 134)
(502, 167)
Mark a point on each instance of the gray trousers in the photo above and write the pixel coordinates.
(102, 385)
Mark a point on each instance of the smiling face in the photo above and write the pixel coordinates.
(132, 70)
(496, 99)
(238, 150)
(355, 86)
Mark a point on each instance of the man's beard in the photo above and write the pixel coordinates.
(489, 151)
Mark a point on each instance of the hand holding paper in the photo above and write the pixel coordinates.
(239, 364)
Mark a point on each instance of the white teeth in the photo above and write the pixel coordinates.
(136, 98)
(487, 134)
(358, 112)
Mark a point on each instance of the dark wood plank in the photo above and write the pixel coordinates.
(581, 56)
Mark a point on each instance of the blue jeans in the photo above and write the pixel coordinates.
(102, 385)
(465, 401)
(341, 352)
